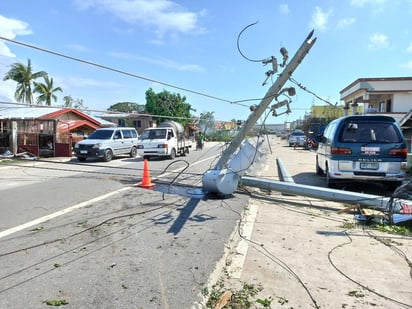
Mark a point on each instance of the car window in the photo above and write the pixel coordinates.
(117, 135)
(127, 133)
(153, 134)
(101, 134)
(298, 133)
(369, 132)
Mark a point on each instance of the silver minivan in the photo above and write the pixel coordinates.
(362, 148)
(107, 143)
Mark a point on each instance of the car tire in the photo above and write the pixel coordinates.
(319, 171)
(81, 159)
(394, 185)
(133, 152)
(329, 182)
(172, 154)
(108, 155)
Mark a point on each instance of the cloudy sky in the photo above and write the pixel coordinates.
(191, 48)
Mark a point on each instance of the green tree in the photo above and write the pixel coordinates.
(46, 91)
(168, 104)
(74, 103)
(127, 107)
(23, 75)
(67, 101)
(206, 121)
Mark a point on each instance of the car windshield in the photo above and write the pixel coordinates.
(369, 132)
(101, 134)
(153, 134)
(298, 133)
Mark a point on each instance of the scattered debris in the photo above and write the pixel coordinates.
(23, 155)
(398, 210)
(36, 229)
(355, 293)
(59, 302)
(224, 300)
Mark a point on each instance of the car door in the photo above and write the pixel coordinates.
(117, 142)
(129, 139)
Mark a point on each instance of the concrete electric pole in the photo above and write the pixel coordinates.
(221, 179)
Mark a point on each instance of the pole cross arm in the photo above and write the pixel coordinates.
(272, 93)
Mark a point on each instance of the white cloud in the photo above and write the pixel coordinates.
(346, 22)
(9, 29)
(362, 3)
(284, 9)
(163, 62)
(409, 48)
(78, 48)
(374, 6)
(378, 41)
(7, 89)
(320, 19)
(76, 82)
(408, 65)
(163, 15)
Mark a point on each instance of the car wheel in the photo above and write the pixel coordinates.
(108, 155)
(394, 185)
(319, 171)
(172, 153)
(133, 152)
(330, 183)
(81, 159)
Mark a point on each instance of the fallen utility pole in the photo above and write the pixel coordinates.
(221, 179)
(335, 195)
(398, 209)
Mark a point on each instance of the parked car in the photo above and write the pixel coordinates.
(106, 143)
(362, 148)
(166, 140)
(297, 139)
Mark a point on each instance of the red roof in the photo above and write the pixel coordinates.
(69, 125)
(63, 111)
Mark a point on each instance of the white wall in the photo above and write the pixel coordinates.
(402, 102)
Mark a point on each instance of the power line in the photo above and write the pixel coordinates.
(119, 71)
(237, 102)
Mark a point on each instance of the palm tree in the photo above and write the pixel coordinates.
(24, 76)
(46, 91)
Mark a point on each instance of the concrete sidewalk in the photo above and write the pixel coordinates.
(307, 255)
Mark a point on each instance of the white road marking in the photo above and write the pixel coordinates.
(70, 209)
(59, 213)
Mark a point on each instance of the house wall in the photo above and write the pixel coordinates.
(402, 102)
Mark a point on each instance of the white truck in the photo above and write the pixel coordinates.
(166, 140)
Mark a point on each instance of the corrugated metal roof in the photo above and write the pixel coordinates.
(26, 112)
(103, 122)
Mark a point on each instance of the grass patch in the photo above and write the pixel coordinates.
(221, 297)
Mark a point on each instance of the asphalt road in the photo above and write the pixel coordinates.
(87, 235)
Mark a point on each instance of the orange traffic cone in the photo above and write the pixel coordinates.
(146, 181)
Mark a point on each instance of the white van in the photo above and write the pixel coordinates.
(107, 143)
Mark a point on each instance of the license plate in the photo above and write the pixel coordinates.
(83, 151)
(369, 166)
